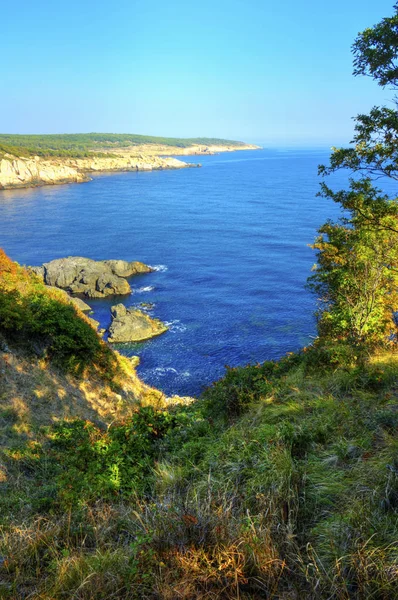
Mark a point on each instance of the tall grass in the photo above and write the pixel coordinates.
(294, 495)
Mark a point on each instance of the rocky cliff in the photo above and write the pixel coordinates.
(29, 172)
(35, 171)
(126, 162)
(19, 172)
(200, 149)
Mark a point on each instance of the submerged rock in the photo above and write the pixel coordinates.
(94, 279)
(133, 325)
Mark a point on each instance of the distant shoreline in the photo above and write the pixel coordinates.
(18, 172)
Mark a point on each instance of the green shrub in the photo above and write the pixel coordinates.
(238, 389)
(82, 463)
(53, 329)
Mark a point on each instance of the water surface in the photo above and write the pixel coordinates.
(230, 241)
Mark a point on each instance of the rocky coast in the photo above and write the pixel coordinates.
(91, 278)
(102, 279)
(22, 172)
(36, 171)
(133, 325)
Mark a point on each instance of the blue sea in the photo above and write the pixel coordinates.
(229, 242)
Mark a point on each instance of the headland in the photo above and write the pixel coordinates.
(36, 160)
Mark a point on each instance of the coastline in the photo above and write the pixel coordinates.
(20, 172)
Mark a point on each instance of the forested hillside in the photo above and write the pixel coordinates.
(87, 144)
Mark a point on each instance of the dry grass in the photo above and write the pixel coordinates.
(295, 499)
(32, 393)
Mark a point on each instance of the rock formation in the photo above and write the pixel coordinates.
(133, 325)
(29, 172)
(126, 162)
(19, 172)
(94, 279)
(35, 171)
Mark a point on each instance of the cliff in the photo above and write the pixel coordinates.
(30, 172)
(21, 172)
(191, 150)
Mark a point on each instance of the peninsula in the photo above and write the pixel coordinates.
(35, 160)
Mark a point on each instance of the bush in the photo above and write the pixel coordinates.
(239, 388)
(38, 319)
(82, 462)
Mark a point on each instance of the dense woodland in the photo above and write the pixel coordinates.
(82, 145)
(280, 481)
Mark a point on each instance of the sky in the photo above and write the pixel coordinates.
(278, 72)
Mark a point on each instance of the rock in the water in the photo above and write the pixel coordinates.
(133, 325)
(95, 279)
(123, 268)
(147, 305)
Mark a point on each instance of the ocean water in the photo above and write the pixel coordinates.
(229, 242)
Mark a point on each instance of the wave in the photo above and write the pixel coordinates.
(142, 290)
(163, 371)
(176, 326)
(159, 268)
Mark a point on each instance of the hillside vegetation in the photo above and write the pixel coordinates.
(281, 482)
(88, 144)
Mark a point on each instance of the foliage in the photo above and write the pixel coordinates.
(241, 387)
(82, 145)
(356, 277)
(376, 51)
(300, 492)
(42, 321)
(356, 282)
(87, 463)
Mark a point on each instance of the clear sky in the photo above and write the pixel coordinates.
(275, 71)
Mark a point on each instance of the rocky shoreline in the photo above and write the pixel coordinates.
(19, 172)
(33, 172)
(102, 279)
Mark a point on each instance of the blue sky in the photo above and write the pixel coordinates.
(274, 71)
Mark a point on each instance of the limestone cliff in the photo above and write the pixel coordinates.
(36, 171)
(126, 162)
(201, 149)
(29, 172)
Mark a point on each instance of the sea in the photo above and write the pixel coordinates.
(229, 242)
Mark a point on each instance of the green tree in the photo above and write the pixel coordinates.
(356, 276)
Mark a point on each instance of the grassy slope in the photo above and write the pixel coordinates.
(53, 365)
(281, 482)
(85, 144)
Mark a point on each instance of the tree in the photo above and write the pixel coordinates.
(356, 276)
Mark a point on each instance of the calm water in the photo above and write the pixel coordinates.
(230, 242)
